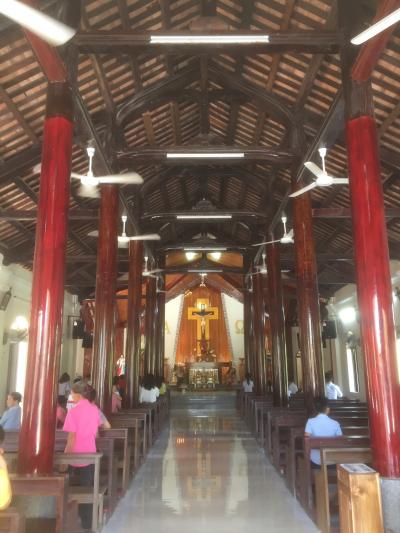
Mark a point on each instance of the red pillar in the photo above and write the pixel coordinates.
(374, 294)
(45, 331)
(277, 323)
(104, 327)
(307, 298)
(258, 324)
(133, 323)
(160, 325)
(247, 329)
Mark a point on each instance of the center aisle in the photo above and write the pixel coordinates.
(207, 474)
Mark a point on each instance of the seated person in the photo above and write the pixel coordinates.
(248, 384)
(332, 391)
(5, 486)
(321, 426)
(292, 388)
(116, 399)
(61, 411)
(11, 419)
(90, 394)
(148, 392)
(160, 383)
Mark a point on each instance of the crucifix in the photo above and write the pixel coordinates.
(202, 313)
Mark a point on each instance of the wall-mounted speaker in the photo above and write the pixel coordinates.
(87, 341)
(78, 329)
(329, 329)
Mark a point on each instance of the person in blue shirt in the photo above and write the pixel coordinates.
(321, 426)
(11, 419)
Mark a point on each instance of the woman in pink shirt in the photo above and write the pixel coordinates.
(81, 424)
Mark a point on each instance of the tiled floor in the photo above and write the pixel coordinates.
(207, 474)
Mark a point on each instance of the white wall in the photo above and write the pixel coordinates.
(233, 310)
(20, 281)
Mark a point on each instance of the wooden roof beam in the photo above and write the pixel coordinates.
(345, 213)
(31, 214)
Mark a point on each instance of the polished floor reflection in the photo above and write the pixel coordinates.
(206, 473)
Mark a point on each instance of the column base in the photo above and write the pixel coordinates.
(391, 503)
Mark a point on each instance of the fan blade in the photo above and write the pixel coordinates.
(303, 190)
(155, 271)
(268, 242)
(48, 28)
(94, 233)
(88, 191)
(130, 178)
(340, 181)
(148, 237)
(312, 167)
(77, 176)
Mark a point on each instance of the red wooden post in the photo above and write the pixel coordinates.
(45, 331)
(160, 325)
(374, 294)
(133, 322)
(247, 329)
(307, 298)
(104, 326)
(277, 322)
(258, 325)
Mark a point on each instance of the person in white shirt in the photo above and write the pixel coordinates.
(332, 391)
(321, 426)
(292, 388)
(148, 392)
(248, 384)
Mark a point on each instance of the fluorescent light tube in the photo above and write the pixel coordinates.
(376, 28)
(48, 28)
(204, 249)
(190, 217)
(202, 155)
(209, 39)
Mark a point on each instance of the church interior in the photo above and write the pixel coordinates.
(199, 249)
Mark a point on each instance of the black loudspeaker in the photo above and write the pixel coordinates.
(78, 329)
(87, 341)
(329, 329)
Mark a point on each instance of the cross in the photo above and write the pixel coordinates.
(203, 314)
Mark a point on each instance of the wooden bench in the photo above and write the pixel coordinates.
(123, 451)
(304, 474)
(12, 521)
(325, 477)
(86, 495)
(136, 426)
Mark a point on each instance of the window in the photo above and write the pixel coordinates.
(352, 369)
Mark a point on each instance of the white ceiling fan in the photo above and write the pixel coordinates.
(89, 182)
(323, 178)
(287, 237)
(262, 269)
(48, 28)
(124, 239)
(150, 273)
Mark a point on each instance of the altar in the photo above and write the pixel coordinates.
(203, 375)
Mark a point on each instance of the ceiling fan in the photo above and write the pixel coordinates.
(155, 273)
(262, 269)
(89, 182)
(287, 237)
(48, 28)
(323, 178)
(124, 239)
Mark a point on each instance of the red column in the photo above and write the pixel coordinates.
(247, 329)
(45, 331)
(307, 298)
(258, 324)
(374, 294)
(104, 326)
(160, 326)
(277, 323)
(133, 322)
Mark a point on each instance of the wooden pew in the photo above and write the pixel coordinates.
(280, 427)
(325, 477)
(270, 414)
(136, 426)
(304, 475)
(12, 521)
(123, 449)
(86, 495)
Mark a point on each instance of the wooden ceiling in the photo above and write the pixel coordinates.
(140, 102)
